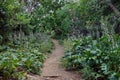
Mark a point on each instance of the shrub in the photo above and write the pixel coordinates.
(98, 57)
(22, 55)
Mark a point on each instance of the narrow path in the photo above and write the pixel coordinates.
(52, 69)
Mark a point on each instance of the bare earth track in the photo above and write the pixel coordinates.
(52, 69)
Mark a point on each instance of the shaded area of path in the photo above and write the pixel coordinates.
(52, 69)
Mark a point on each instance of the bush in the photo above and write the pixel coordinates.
(98, 59)
(23, 55)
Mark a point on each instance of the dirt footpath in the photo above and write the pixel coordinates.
(52, 69)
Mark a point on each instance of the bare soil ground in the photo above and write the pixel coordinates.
(52, 69)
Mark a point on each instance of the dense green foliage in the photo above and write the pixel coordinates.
(47, 18)
(23, 55)
(12, 18)
(22, 50)
(59, 18)
(97, 59)
(76, 18)
(26, 24)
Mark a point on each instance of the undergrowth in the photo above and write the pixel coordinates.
(96, 59)
(23, 55)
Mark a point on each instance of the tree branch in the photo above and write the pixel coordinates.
(114, 8)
